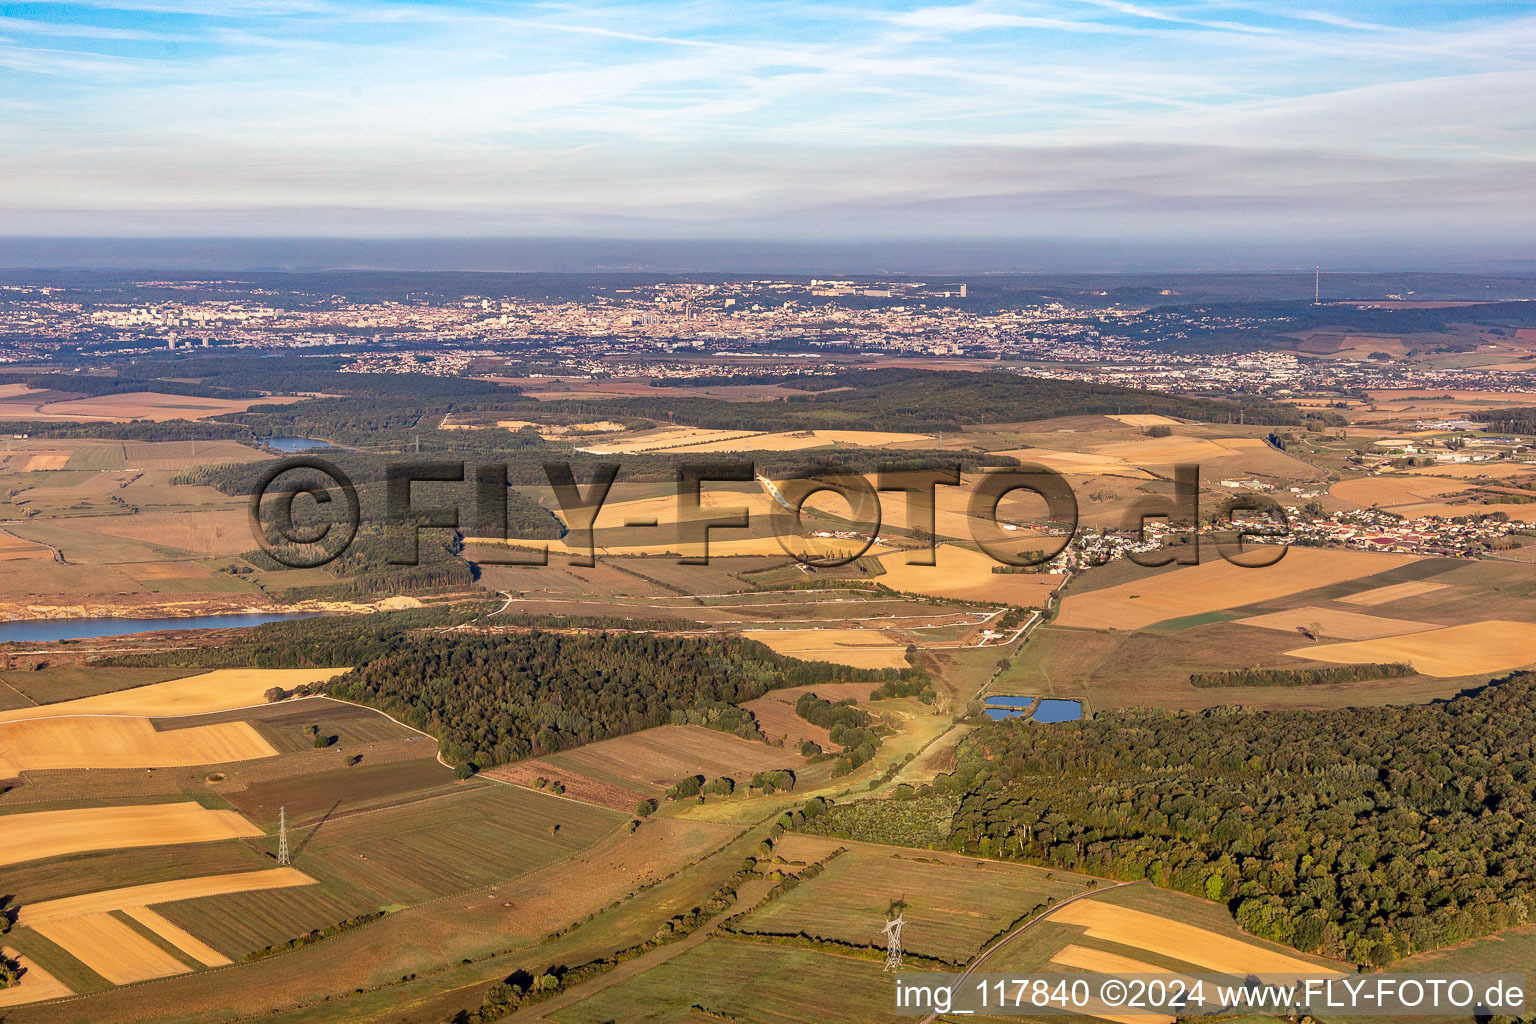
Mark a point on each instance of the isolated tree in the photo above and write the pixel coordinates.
(275, 694)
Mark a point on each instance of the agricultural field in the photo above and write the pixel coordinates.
(953, 905)
(965, 574)
(98, 929)
(41, 834)
(1331, 622)
(120, 408)
(35, 985)
(793, 441)
(1215, 585)
(775, 712)
(726, 979)
(1157, 929)
(455, 841)
(618, 773)
(1474, 648)
(1420, 495)
(109, 742)
(205, 693)
(859, 648)
(663, 440)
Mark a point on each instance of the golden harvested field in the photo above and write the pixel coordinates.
(1342, 625)
(110, 948)
(1464, 470)
(1396, 592)
(1099, 961)
(1216, 585)
(1078, 462)
(156, 893)
(42, 834)
(1473, 648)
(1139, 419)
(220, 690)
(667, 438)
(967, 575)
(178, 936)
(147, 405)
(858, 648)
(1165, 451)
(123, 743)
(721, 545)
(1179, 941)
(790, 441)
(35, 985)
(1394, 491)
(1416, 396)
(665, 509)
(47, 460)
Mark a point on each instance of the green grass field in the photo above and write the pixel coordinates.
(953, 904)
(747, 982)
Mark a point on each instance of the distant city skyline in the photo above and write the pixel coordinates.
(1262, 135)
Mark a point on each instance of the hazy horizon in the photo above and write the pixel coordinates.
(740, 256)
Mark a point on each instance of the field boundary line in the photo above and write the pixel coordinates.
(1026, 926)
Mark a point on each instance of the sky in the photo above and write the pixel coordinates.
(1277, 126)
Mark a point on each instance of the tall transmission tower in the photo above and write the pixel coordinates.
(282, 837)
(893, 942)
(1317, 285)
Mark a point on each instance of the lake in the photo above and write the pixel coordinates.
(294, 444)
(44, 630)
(1051, 709)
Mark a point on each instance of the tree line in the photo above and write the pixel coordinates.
(1367, 834)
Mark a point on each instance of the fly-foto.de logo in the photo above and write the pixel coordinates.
(306, 512)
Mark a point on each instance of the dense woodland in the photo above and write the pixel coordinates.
(927, 400)
(1366, 834)
(1302, 676)
(494, 699)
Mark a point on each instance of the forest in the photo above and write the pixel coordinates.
(849, 726)
(1366, 834)
(491, 699)
(899, 399)
(1301, 676)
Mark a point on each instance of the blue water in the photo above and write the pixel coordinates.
(295, 444)
(1052, 710)
(44, 630)
(1000, 713)
(1008, 702)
